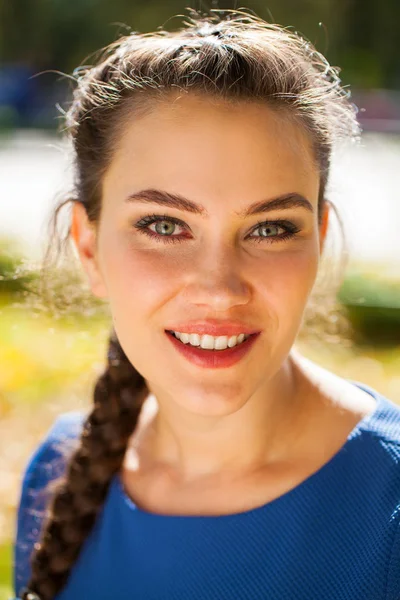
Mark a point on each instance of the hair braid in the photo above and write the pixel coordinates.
(119, 394)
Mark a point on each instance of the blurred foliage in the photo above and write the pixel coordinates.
(61, 34)
(375, 324)
(373, 305)
(14, 276)
(39, 354)
(361, 289)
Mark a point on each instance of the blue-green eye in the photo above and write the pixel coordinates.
(165, 226)
(274, 231)
(163, 232)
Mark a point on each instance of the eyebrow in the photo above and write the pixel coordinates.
(163, 198)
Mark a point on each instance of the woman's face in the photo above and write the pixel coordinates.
(221, 264)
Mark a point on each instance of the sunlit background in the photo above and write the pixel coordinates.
(48, 364)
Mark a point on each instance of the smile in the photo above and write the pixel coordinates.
(212, 357)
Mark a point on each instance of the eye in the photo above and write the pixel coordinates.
(270, 229)
(165, 226)
(275, 231)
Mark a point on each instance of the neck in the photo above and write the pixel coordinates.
(192, 446)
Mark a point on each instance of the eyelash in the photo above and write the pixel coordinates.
(290, 229)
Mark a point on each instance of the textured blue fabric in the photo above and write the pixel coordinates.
(336, 536)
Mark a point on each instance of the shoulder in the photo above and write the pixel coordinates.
(46, 464)
(49, 459)
(378, 443)
(379, 448)
(383, 423)
(369, 460)
(380, 437)
(65, 430)
(352, 411)
(369, 482)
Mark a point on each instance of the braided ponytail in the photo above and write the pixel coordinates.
(118, 397)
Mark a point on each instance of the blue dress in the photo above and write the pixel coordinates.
(335, 536)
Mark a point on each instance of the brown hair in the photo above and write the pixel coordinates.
(235, 56)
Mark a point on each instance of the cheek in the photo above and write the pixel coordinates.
(291, 276)
(285, 285)
(137, 277)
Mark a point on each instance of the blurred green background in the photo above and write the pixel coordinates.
(48, 362)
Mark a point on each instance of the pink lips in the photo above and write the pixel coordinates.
(214, 359)
(213, 327)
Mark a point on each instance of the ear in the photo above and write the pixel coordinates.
(323, 228)
(84, 236)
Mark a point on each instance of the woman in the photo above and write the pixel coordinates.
(217, 462)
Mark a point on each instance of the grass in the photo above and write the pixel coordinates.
(48, 366)
(5, 572)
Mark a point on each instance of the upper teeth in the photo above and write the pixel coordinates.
(210, 342)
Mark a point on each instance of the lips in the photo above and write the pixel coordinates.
(213, 359)
(214, 328)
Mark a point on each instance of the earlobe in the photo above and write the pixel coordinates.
(84, 236)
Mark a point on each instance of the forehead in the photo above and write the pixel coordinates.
(212, 146)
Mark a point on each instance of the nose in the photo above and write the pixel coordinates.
(216, 278)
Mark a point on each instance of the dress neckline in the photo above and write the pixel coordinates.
(118, 489)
